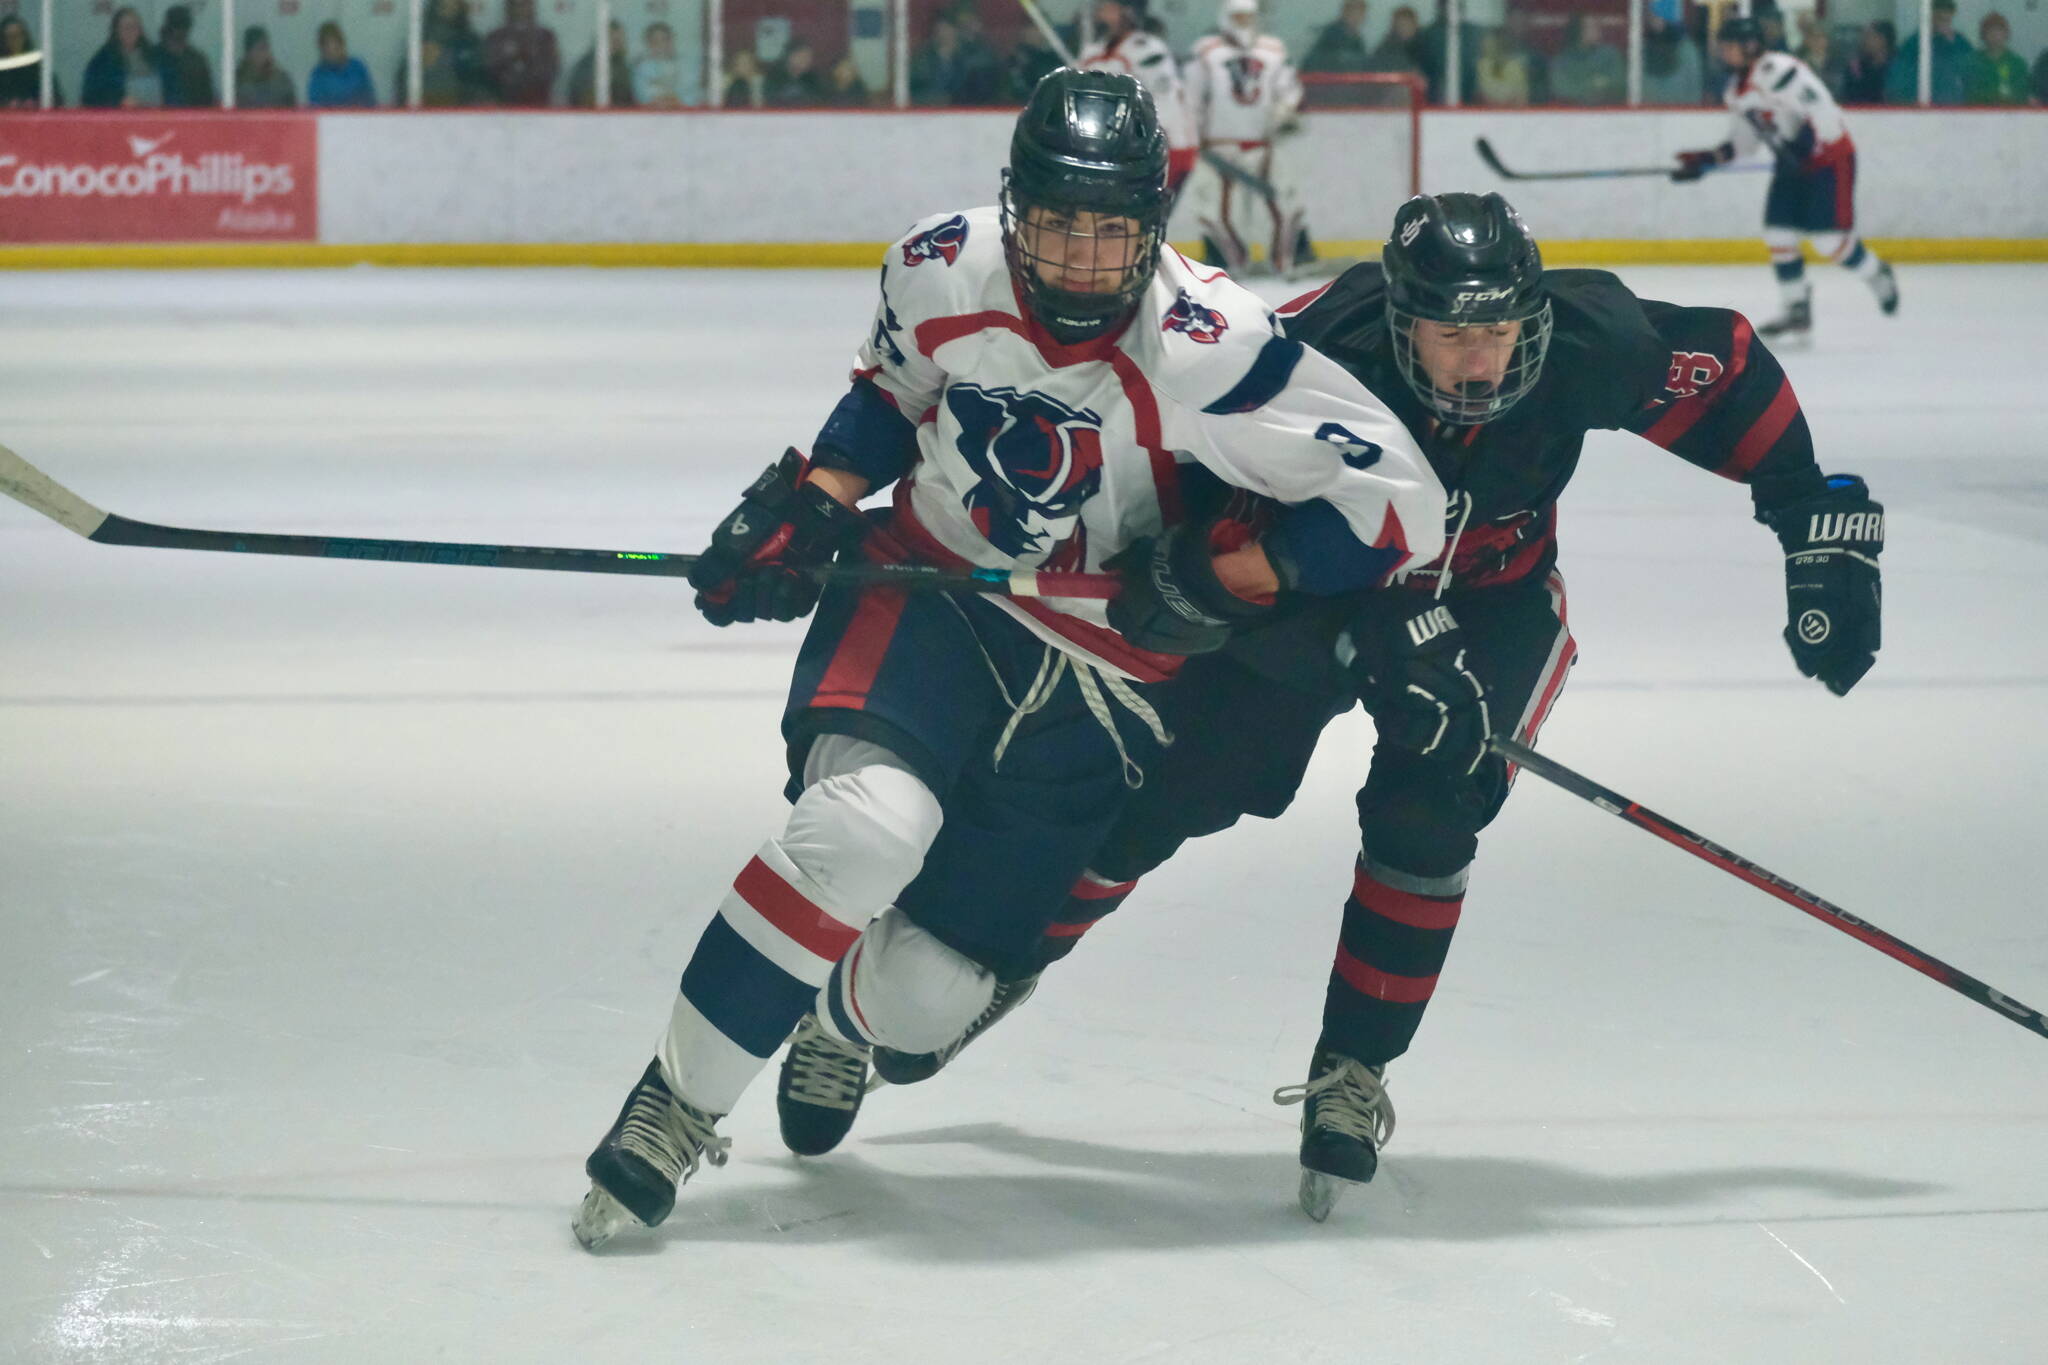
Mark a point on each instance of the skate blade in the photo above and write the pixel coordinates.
(1319, 1193)
(600, 1219)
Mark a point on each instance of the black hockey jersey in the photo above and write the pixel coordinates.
(1693, 380)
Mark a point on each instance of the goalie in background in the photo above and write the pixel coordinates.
(1246, 98)
(1781, 104)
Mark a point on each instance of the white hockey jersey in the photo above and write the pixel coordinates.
(1147, 57)
(1031, 454)
(1781, 105)
(1241, 94)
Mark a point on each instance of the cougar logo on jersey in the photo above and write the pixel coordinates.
(1432, 623)
(1692, 371)
(942, 243)
(1038, 460)
(1199, 321)
(884, 339)
(1825, 527)
(1246, 75)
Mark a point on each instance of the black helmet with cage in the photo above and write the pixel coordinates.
(1084, 201)
(1459, 261)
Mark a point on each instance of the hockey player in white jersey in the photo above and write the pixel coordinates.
(1781, 105)
(1244, 94)
(1045, 386)
(1123, 43)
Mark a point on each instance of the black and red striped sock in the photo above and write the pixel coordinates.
(1091, 899)
(1396, 935)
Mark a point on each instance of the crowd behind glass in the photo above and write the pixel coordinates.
(504, 53)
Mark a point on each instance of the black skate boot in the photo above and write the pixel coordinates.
(1886, 286)
(1794, 324)
(820, 1088)
(655, 1145)
(1346, 1118)
(908, 1068)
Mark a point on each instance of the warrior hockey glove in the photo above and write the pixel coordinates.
(1408, 662)
(1833, 597)
(756, 568)
(1172, 602)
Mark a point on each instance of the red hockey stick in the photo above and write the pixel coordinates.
(1797, 897)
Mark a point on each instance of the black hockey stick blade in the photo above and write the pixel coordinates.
(1499, 168)
(1798, 897)
(31, 487)
(1230, 170)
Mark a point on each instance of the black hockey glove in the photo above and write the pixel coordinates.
(756, 567)
(1693, 165)
(1406, 656)
(1172, 602)
(1833, 596)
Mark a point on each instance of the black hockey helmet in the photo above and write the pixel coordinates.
(1741, 28)
(1087, 143)
(1466, 261)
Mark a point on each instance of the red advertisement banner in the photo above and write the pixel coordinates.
(159, 177)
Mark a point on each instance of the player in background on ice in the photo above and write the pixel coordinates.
(1123, 43)
(1035, 374)
(1245, 97)
(1780, 104)
(1500, 368)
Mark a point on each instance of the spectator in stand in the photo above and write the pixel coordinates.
(22, 88)
(1030, 59)
(1340, 46)
(521, 58)
(1817, 50)
(2041, 78)
(1951, 52)
(844, 89)
(188, 80)
(126, 73)
(583, 75)
(1503, 70)
(659, 78)
(1672, 70)
(451, 59)
(1400, 50)
(745, 86)
(981, 82)
(1586, 71)
(795, 82)
(1868, 70)
(260, 83)
(949, 69)
(1433, 46)
(1772, 24)
(1996, 74)
(339, 81)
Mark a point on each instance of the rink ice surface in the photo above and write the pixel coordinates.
(342, 902)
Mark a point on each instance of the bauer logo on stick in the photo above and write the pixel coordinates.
(942, 243)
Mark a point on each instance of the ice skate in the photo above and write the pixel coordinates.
(1885, 285)
(1794, 324)
(819, 1091)
(1346, 1118)
(908, 1068)
(656, 1144)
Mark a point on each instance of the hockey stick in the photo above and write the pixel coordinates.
(1494, 163)
(28, 485)
(19, 60)
(1798, 897)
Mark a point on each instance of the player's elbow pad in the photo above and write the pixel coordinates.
(1314, 550)
(866, 435)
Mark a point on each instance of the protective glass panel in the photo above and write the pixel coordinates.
(824, 54)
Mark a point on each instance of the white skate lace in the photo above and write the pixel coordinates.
(1350, 1100)
(826, 1072)
(670, 1135)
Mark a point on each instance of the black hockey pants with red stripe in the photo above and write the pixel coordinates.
(1243, 740)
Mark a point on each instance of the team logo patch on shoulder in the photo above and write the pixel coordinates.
(1199, 321)
(942, 243)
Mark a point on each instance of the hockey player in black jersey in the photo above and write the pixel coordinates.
(1499, 368)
